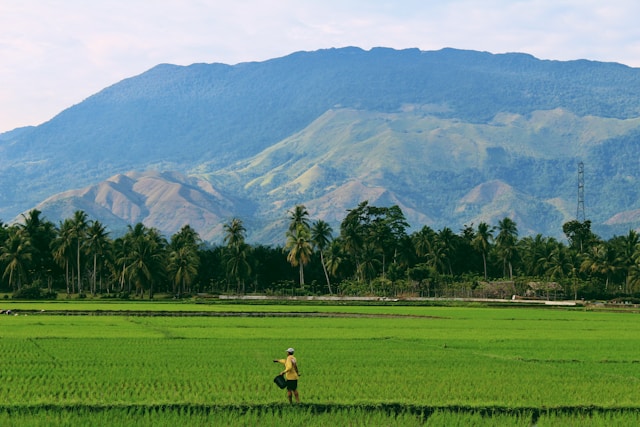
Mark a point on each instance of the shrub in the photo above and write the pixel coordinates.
(33, 293)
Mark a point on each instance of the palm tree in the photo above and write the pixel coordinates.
(506, 243)
(97, 243)
(183, 267)
(482, 243)
(78, 232)
(536, 253)
(234, 232)
(237, 265)
(187, 236)
(40, 233)
(16, 253)
(184, 259)
(369, 263)
(334, 257)
(299, 247)
(122, 248)
(447, 243)
(299, 216)
(62, 249)
(146, 260)
(564, 264)
(600, 259)
(627, 250)
(320, 238)
(352, 239)
(236, 253)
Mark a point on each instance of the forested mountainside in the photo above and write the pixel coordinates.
(451, 136)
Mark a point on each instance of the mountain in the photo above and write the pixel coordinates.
(167, 201)
(453, 137)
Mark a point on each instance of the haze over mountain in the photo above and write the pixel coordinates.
(453, 137)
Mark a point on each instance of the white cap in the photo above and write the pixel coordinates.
(290, 350)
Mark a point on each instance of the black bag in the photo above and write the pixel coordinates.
(280, 381)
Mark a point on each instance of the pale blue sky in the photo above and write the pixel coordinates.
(55, 53)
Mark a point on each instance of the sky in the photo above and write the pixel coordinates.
(56, 53)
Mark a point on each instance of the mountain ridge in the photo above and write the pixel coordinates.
(420, 129)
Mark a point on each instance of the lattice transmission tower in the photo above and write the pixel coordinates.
(580, 212)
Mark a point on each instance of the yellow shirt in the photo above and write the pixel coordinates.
(290, 367)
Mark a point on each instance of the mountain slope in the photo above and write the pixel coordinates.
(166, 201)
(421, 129)
(431, 166)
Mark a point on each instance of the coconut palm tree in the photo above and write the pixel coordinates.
(16, 254)
(236, 253)
(481, 242)
(447, 242)
(626, 248)
(41, 233)
(321, 238)
(183, 268)
(62, 249)
(237, 265)
(78, 229)
(187, 236)
(299, 247)
(97, 244)
(146, 260)
(600, 259)
(335, 257)
(234, 232)
(299, 216)
(184, 259)
(506, 243)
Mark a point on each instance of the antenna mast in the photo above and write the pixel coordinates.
(580, 212)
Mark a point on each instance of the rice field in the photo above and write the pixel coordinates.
(365, 366)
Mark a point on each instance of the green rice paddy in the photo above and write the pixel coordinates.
(361, 365)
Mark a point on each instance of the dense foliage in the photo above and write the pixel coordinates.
(371, 255)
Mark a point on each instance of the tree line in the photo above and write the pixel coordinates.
(372, 254)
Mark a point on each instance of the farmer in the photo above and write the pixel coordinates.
(291, 374)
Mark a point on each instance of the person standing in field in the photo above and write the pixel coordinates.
(291, 374)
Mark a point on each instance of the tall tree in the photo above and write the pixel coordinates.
(600, 259)
(579, 234)
(626, 248)
(506, 243)
(62, 247)
(16, 254)
(321, 238)
(41, 233)
(234, 232)
(183, 268)
(78, 231)
(299, 248)
(334, 257)
(481, 242)
(447, 243)
(97, 244)
(238, 266)
(236, 253)
(146, 260)
(299, 216)
(184, 259)
(423, 240)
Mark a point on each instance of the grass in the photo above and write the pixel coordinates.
(468, 363)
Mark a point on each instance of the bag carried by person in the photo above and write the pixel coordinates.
(280, 381)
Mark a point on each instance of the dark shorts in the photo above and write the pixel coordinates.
(292, 385)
